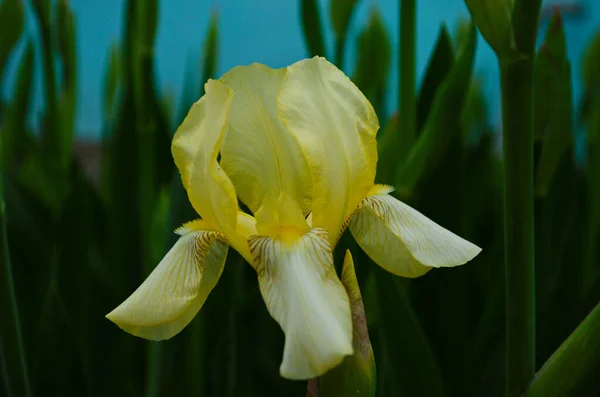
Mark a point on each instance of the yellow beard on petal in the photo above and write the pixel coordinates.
(289, 234)
(281, 219)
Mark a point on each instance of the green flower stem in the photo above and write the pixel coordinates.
(517, 117)
(195, 359)
(407, 100)
(12, 296)
(154, 352)
(517, 110)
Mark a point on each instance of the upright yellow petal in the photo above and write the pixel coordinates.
(259, 155)
(246, 225)
(335, 126)
(304, 295)
(402, 240)
(176, 290)
(281, 219)
(195, 149)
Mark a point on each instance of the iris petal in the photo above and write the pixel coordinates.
(335, 126)
(304, 295)
(177, 288)
(195, 148)
(404, 241)
(259, 155)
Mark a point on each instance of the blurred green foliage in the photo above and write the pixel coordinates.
(75, 246)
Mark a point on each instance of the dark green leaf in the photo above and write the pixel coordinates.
(553, 104)
(189, 93)
(573, 368)
(111, 83)
(387, 141)
(406, 363)
(42, 180)
(15, 138)
(311, 27)
(57, 158)
(439, 65)
(442, 123)
(15, 377)
(210, 50)
(65, 34)
(340, 12)
(591, 78)
(591, 276)
(373, 61)
(493, 18)
(591, 60)
(474, 117)
(11, 20)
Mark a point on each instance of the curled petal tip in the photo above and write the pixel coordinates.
(405, 242)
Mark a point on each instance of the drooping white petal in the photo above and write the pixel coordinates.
(176, 290)
(404, 241)
(305, 296)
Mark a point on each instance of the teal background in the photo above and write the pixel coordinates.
(269, 32)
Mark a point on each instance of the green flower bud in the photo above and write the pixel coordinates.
(356, 375)
(493, 18)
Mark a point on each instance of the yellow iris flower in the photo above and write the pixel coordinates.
(298, 148)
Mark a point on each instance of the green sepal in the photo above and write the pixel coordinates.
(493, 18)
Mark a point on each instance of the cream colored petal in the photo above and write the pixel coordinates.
(304, 295)
(335, 126)
(260, 156)
(195, 149)
(405, 242)
(176, 290)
